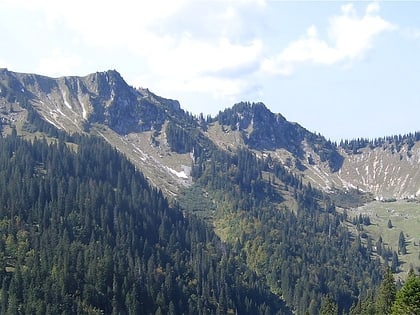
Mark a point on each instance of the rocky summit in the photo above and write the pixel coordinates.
(134, 120)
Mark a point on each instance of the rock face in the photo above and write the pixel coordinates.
(383, 172)
(102, 104)
(72, 103)
(135, 122)
(263, 130)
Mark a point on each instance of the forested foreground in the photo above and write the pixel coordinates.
(390, 299)
(303, 247)
(81, 232)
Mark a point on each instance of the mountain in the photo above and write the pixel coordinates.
(275, 194)
(386, 168)
(135, 121)
(70, 103)
(102, 104)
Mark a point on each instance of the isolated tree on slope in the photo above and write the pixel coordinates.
(402, 247)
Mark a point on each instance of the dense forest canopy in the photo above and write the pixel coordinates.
(303, 254)
(82, 232)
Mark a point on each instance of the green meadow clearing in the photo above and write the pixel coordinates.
(404, 216)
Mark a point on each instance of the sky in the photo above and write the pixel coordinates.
(339, 68)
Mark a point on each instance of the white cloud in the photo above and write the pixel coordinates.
(217, 47)
(372, 8)
(219, 87)
(196, 66)
(103, 23)
(178, 45)
(194, 57)
(57, 63)
(349, 38)
(5, 64)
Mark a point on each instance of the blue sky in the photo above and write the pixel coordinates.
(343, 69)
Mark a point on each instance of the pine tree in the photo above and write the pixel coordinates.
(386, 294)
(402, 248)
(407, 301)
(394, 262)
(328, 307)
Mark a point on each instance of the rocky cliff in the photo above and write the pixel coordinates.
(134, 120)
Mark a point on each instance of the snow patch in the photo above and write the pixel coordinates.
(65, 99)
(60, 112)
(52, 123)
(181, 174)
(84, 111)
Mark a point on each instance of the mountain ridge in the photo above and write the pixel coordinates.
(104, 102)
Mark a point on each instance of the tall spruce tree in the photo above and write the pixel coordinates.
(386, 294)
(407, 301)
(402, 247)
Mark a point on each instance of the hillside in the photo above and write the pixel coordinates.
(83, 233)
(275, 195)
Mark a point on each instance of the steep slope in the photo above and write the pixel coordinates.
(381, 171)
(103, 104)
(81, 232)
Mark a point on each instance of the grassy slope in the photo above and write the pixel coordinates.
(405, 216)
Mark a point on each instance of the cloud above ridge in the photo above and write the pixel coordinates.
(350, 37)
(214, 47)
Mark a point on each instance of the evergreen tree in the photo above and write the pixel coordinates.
(386, 294)
(407, 301)
(365, 306)
(394, 261)
(402, 246)
(328, 307)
